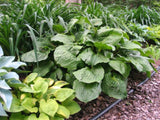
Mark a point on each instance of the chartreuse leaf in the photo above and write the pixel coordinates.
(17, 116)
(49, 107)
(86, 92)
(31, 57)
(114, 85)
(90, 75)
(63, 111)
(65, 58)
(121, 67)
(31, 77)
(29, 104)
(65, 39)
(28, 89)
(57, 118)
(72, 106)
(60, 84)
(90, 58)
(63, 93)
(42, 116)
(15, 106)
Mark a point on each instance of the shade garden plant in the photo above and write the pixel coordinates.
(91, 47)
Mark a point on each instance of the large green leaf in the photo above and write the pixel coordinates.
(130, 45)
(86, 92)
(90, 58)
(63, 111)
(103, 46)
(43, 68)
(17, 116)
(65, 58)
(114, 85)
(31, 77)
(49, 107)
(72, 106)
(30, 105)
(65, 39)
(72, 23)
(121, 67)
(31, 56)
(63, 93)
(90, 75)
(42, 116)
(96, 22)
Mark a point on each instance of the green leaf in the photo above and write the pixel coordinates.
(72, 23)
(72, 106)
(57, 74)
(58, 28)
(121, 67)
(60, 84)
(28, 89)
(114, 86)
(90, 75)
(15, 106)
(96, 22)
(130, 45)
(103, 46)
(49, 107)
(42, 116)
(2, 72)
(65, 58)
(57, 118)
(65, 39)
(17, 116)
(63, 111)
(31, 57)
(31, 77)
(90, 58)
(86, 92)
(44, 68)
(5, 60)
(29, 104)
(63, 93)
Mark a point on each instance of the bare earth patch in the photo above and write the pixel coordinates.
(143, 104)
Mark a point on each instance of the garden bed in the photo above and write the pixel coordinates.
(142, 104)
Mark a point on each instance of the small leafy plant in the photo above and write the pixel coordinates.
(8, 79)
(42, 99)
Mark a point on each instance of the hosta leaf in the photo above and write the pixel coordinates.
(57, 74)
(29, 89)
(90, 75)
(15, 106)
(65, 58)
(6, 95)
(57, 118)
(65, 39)
(6, 60)
(130, 45)
(4, 85)
(72, 106)
(90, 58)
(103, 46)
(30, 105)
(63, 111)
(42, 116)
(114, 85)
(72, 23)
(15, 65)
(49, 107)
(63, 93)
(121, 67)
(31, 77)
(17, 116)
(2, 112)
(43, 68)
(31, 57)
(2, 72)
(58, 28)
(60, 84)
(86, 92)
(96, 22)
(1, 51)
(11, 75)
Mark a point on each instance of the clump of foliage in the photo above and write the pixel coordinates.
(42, 99)
(8, 79)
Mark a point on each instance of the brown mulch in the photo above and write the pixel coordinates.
(142, 104)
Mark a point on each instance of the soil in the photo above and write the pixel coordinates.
(142, 104)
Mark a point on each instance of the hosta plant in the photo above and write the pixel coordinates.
(8, 79)
(42, 99)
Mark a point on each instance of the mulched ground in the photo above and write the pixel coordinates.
(143, 104)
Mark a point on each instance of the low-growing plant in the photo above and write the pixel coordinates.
(42, 99)
(95, 59)
(8, 79)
